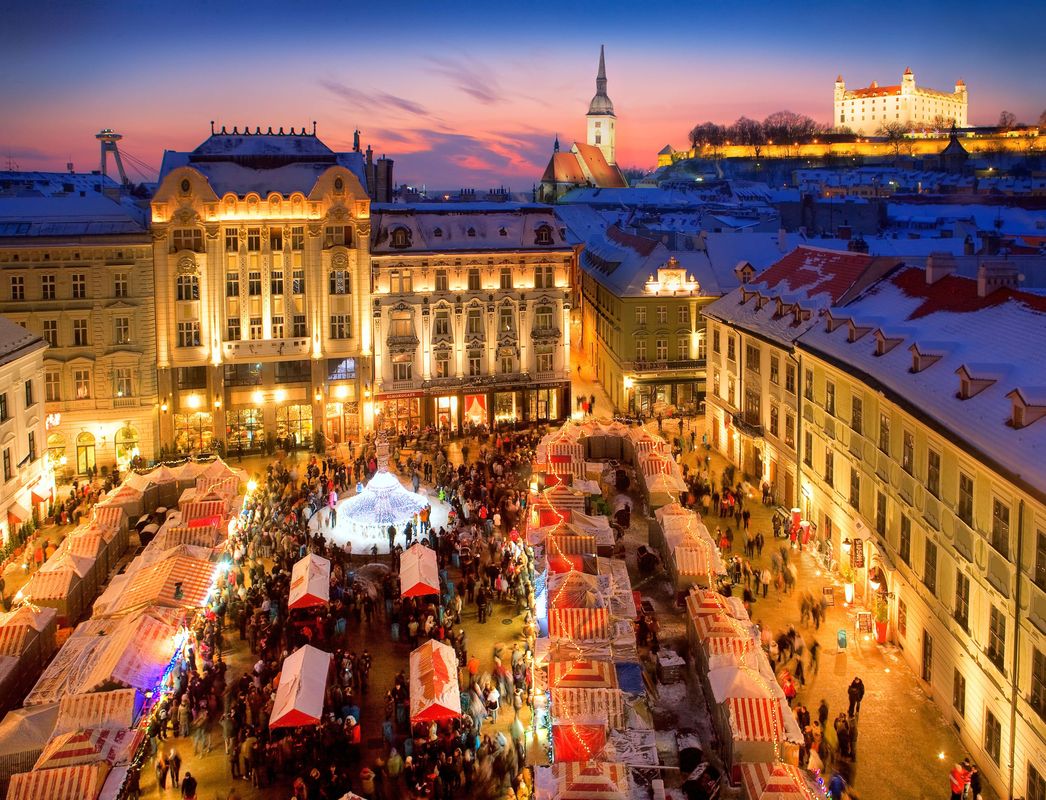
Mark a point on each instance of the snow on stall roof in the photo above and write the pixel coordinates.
(949, 312)
(464, 227)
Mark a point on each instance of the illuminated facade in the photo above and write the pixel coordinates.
(77, 271)
(918, 459)
(261, 247)
(471, 316)
(866, 110)
(28, 482)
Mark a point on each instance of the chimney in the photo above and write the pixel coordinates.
(939, 265)
(992, 275)
(844, 232)
(782, 240)
(69, 166)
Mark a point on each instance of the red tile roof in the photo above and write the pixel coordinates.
(875, 91)
(603, 174)
(564, 168)
(958, 295)
(812, 271)
(640, 244)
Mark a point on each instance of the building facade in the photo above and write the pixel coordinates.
(471, 316)
(918, 459)
(866, 110)
(261, 247)
(77, 271)
(28, 481)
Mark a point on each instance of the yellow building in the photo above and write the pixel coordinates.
(77, 271)
(471, 316)
(919, 461)
(261, 248)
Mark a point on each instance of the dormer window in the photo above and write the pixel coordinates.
(921, 361)
(760, 301)
(543, 234)
(438, 232)
(780, 309)
(400, 237)
(856, 332)
(884, 344)
(1029, 406)
(472, 233)
(831, 323)
(970, 385)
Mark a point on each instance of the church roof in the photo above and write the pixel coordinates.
(563, 168)
(954, 148)
(604, 175)
(667, 150)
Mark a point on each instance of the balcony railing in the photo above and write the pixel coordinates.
(746, 427)
(544, 334)
(665, 365)
(263, 348)
(125, 402)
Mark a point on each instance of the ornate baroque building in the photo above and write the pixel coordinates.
(867, 109)
(77, 271)
(261, 246)
(470, 315)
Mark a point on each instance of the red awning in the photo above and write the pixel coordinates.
(572, 742)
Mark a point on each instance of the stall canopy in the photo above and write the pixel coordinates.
(434, 693)
(303, 682)
(111, 745)
(116, 709)
(573, 741)
(582, 674)
(176, 582)
(776, 781)
(82, 782)
(582, 780)
(310, 582)
(419, 573)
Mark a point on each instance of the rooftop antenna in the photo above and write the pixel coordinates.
(108, 139)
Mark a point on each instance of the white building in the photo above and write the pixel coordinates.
(866, 110)
(28, 482)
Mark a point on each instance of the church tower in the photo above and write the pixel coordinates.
(601, 117)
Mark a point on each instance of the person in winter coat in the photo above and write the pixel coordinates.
(856, 694)
(959, 777)
(189, 786)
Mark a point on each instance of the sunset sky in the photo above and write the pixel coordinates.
(473, 94)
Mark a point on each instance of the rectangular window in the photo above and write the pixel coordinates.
(300, 328)
(930, 567)
(79, 333)
(402, 367)
(277, 327)
(1036, 788)
(855, 488)
(829, 466)
(905, 547)
(276, 283)
(122, 330)
(50, 333)
(1001, 527)
(79, 286)
(933, 472)
(1040, 559)
(232, 240)
(715, 337)
(121, 285)
(242, 375)
(276, 239)
(122, 382)
(442, 364)
(4, 416)
(232, 284)
(908, 452)
(189, 334)
(191, 377)
(442, 283)
(82, 384)
(506, 278)
(334, 236)
(187, 287)
(32, 445)
(1037, 696)
(902, 619)
(254, 284)
(8, 473)
(775, 367)
(808, 389)
(829, 397)
(341, 369)
(232, 329)
(341, 326)
(884, 433)
(880, 513)
(253, 240)
(474, 322)
(808, 448)
(752, 355)
(52, 387)
(961, 612)
(959, 693)
(641, 355)
(544, 357)
(474, 280)
(187, 239)
(992, 735)
(298, 237)
(475, 361)
(927, 666)
(441, 323)
(683, 348)
(964, 507)
(684, 315)
(661, 346)
(790, 430)
(731, 343)
(774, 413)
(298, 281)
(47, 287)
(857, 415)
(507, 319)
(997, 638)
(340, 283)
(254, 328)
(790, 378)
(507, 365)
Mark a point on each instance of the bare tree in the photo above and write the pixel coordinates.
(895, 133)
(1042, 120)
(1007, 120)
(787, 127)
(710, 135)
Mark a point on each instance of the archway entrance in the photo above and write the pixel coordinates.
(85, 453)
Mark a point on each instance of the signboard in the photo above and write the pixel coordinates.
(857, 554)
(828, 593)
(864, 622)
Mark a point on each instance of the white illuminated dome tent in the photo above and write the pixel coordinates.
(364, 519)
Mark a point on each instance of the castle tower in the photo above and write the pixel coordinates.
(840, 88)
(908, 82)
(600, 116)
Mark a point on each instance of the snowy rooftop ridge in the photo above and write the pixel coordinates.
(16, 341)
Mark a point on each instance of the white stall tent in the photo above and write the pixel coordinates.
(310, 582)
(303, 682)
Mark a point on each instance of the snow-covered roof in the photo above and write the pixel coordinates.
(46, 184)
(16, 341)
(950, 319)
(1005, 219)
(69, 215)
(464, 227)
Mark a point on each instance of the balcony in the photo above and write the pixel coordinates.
(666, 365)
(544, 334)
(829, 426)
(747, 428)
(125, 402)
(266, 348)
(402, 344)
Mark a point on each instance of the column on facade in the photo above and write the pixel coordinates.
(459, 339)
(379, 349)
(425, 339)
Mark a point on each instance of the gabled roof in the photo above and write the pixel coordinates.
(814, 274)
(603, 174)
(564, 168)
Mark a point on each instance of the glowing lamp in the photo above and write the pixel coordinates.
(341, 392)
(280, 395)
(874, 583)
(629, 382)
(217, 402)
(252, 485)
(193, 401)
(163, 407)
(258, 398)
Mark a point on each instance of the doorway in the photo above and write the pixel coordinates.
(85, 453)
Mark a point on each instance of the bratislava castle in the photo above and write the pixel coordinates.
(866, 110)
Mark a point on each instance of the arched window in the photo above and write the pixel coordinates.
(126, 445)
(56, 447)
(400, 237)
(188, 287)
(85, 452)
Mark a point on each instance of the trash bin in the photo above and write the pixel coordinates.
(840, 637)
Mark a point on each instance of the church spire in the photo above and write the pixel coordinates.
(601, 102)
(601, 76)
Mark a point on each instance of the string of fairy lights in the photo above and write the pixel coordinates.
(692, 536)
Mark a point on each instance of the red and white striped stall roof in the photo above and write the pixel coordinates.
(778, 781)
(728, 645)
(111, 745)
(108, 516)
(582, 674)
(570, 545)
(578, 623)
(83, 782)
(115, 709)
(756, 719)
(178, 582)
(203, 510)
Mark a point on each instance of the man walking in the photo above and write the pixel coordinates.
(189, 786)
(174, 761)
(856, 694)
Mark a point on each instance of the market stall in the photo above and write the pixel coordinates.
(23, 734)
(419, 572)
(303, 683)
(118, 708)
(310, 582)
(582, 780)
(112, 745)
(777, 781)
(60, 589)
(434, 693)
(27, 641)
(578, 623)
(179, 581)
(83, 782)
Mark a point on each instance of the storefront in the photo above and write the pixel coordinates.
(294, 425)
(446, 413)
(401, 413)
(245, 430)
(685, 395)
(192, 431)
(342, 422)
